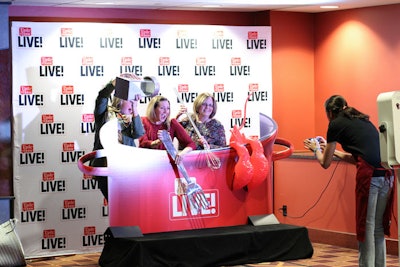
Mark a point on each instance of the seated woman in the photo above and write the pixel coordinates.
(211, 130)
(158, 119)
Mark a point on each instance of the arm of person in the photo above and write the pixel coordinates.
(181, 153)
(137, 129)
(345, 156)
(184, 140)
(103, 98)
(134, 129)
(180, 133)
(182, 110)
(144, 140)
(325, 153)
(325, 156)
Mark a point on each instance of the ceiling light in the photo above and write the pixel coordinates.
(105, 3)
(329, 7)
(211, 6)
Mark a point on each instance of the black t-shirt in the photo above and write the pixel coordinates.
(356, 136)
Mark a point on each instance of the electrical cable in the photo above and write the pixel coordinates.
(320, 196)
(326, 187)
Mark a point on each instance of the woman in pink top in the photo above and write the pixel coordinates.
(158, 119)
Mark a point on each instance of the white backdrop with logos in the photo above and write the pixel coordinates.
(58, 69)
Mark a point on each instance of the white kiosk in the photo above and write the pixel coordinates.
(389, 137)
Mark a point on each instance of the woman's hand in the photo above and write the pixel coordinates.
(181, 154)
(312, 144)
(155, 143)
(178, 158)
(182, 110)
(204, 142)
(134, 102)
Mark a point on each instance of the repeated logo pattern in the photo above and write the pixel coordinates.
(58, 69)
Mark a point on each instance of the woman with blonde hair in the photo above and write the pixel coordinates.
(212, 131)
(158, 119)
(129, 123)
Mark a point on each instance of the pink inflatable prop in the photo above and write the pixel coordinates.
(145, 189)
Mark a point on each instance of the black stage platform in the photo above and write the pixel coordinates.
(209, 247)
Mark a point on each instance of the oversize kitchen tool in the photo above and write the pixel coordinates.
(194, 192)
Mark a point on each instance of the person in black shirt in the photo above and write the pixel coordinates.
(359, 139)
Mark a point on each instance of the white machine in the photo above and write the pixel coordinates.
(389, 136)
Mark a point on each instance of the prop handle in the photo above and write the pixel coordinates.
(90, 170)
(187, 114)
(283, 153)
(169, 146)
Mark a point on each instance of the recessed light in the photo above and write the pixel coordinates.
(211, 6)
(329, 7)
(105, 3)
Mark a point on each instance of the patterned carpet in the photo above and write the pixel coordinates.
(324, 256)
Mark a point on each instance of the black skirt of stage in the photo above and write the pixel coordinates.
(209, 247)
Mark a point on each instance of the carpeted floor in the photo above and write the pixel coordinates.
(324, 256)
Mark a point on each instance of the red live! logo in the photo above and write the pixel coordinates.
(201, 61)
(252, 35)
(25, 89)
(47, 118)
(69, 203)
(253, 87)
(236, 61)
(236, 113)
(46, 61)
(49, 233)
(88, 117)
(219, 87)
(87, 61)
(145, 33)
(126, 61)
(66, 32)
(68, 146)
(48, 176)
(25, 31)
(27, 148)
(67, 89)
(27, 206)
(89, 230)
(183, 88)
(164, 61)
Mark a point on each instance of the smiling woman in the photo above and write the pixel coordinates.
(202, 127)
(158, 119)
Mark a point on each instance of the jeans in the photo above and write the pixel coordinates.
(372, 252)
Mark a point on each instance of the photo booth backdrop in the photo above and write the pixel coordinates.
(58, 69)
